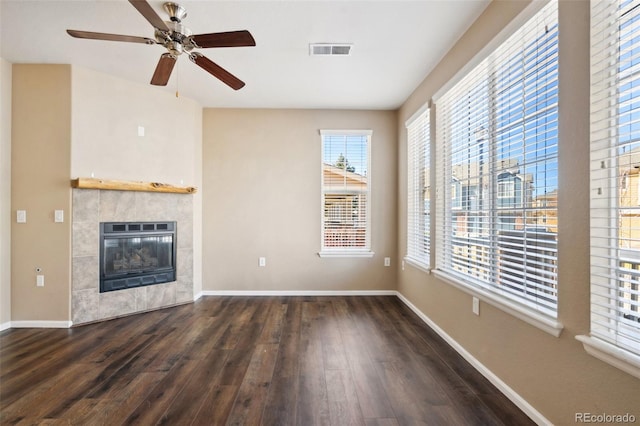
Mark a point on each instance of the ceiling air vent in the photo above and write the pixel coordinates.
(330, 49)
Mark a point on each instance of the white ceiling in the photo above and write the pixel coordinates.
(396, 44)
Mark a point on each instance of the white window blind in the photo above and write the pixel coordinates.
(418, 187)
(497, 170)
(615, 163)
(346, 191)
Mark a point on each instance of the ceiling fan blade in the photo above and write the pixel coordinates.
(150, 15)
(163, 70)
(109, 37)
(217, 71)
(226, 39)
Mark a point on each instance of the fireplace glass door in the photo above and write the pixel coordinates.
(133, 257)
(127, 255)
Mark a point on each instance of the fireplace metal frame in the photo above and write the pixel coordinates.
(121, 281)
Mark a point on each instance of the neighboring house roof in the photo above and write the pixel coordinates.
(552, 195)
(336, 176)
(548, 200)
(630, 161)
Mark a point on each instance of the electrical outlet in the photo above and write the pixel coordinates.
(262, 261)
(21, 216)
(476, 306)
(387, 261)
(40, 280)
(58, 216)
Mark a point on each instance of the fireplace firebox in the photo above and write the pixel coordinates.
(136, 254)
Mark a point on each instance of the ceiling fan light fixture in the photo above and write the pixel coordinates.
(174, 47)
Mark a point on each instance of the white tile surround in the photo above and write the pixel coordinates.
(92, 206)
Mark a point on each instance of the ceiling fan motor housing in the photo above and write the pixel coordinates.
(176, 40)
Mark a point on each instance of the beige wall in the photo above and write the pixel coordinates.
(106, 114)
(40, 153)
(5, 193)
(262, 198)
(555, 375)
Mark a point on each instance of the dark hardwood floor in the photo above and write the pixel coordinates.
(248, 361)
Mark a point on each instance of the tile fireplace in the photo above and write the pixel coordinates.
(93, 207)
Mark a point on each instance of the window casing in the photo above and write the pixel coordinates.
(346, 193)
(615, 161)
(497, 171)
(418, 190)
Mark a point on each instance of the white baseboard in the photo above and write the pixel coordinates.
(197, 296)
(5, 325)
(41, 324)
(299, 293)
(527, 408)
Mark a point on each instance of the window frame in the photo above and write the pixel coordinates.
(523, 311)
(612, 336)
(417, 255)
(509, 192)
(345, 251)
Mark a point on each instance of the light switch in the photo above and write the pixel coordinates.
(40, 280)
(140, 131)
(58, 216)
(21, 216)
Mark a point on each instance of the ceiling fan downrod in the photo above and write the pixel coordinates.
(176, 12)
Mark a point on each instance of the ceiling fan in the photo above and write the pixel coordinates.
(178, 39)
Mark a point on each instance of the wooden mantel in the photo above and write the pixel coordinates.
(124, 185)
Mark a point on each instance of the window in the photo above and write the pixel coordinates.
(497, 173)
(346, 193)
(507, 189)
(418, 188)
(615, 160)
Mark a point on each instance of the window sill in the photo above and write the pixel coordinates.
(611, 354)
(346, 253)
(543, 322)
(417, 264)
